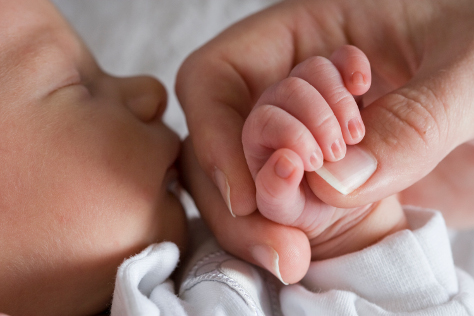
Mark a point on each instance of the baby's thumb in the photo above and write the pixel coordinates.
(279, 197)
(409, 131)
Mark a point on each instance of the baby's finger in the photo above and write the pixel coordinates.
(354, 67)
(300, 99)
(279, 197)
(283, 250)
(269, 128)
(326, 79)
(284, 197)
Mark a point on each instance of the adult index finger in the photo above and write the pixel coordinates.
(217, 87)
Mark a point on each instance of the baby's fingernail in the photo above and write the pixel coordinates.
(221, 181)
(358, 78)
(348, 174)
(316, 161)
(269, 259)
(356, 129)
(338, 149)
(284, 167)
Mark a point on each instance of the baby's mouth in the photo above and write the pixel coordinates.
(172, 180)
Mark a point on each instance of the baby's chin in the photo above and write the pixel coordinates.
(175, 226)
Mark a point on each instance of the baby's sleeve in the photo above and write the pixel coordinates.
(410, 272)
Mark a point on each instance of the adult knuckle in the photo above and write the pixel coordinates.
(415, 114)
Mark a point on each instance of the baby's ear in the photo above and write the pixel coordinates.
(354, 68)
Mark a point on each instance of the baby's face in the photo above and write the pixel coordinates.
(85, 166)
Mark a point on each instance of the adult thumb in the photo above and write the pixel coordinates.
(408, 132)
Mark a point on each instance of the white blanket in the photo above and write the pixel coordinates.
(408, 273)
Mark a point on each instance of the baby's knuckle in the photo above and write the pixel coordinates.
(315, 63)
(289, 88)
(312, 66)
(299, 137)
(325, 120)
(341, 98)
(256, 124)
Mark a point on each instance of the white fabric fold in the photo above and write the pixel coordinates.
(408, 273)
(142, 287)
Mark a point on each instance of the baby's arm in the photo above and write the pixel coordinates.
(298, 122)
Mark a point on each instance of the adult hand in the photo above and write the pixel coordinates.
(417, 111)
(448, 188)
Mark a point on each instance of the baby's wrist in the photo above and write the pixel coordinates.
(383, 218)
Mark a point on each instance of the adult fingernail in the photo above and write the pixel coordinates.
(338, 149)
(348, 174)
(221, 181)
(356, 129)
(269, 259)
(284, 167)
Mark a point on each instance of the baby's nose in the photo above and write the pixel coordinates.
(145, 97)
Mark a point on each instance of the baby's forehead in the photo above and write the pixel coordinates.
(33, 48)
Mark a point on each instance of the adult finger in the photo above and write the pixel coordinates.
(217, 87)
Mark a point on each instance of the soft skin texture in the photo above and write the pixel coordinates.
(417, 110)
(86, 163)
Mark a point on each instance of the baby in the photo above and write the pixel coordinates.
(86, 167)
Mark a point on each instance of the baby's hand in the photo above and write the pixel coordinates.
(298, 122)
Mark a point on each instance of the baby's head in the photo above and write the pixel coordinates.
(85, 166)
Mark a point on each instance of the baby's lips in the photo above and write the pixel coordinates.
(349, 173)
